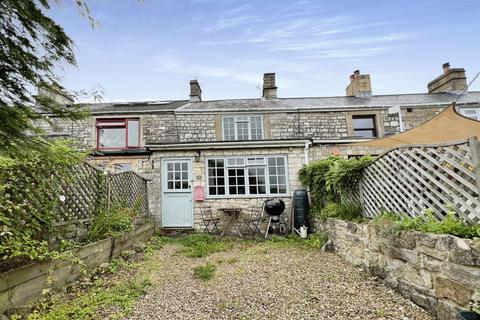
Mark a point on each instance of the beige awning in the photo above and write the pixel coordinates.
(447, 126)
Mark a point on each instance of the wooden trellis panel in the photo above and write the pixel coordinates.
(127, 189)
(410, 179)
(87, 189)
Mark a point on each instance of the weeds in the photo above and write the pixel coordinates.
(202, 245)
(314, 241)
(204, 272)
(428, 223)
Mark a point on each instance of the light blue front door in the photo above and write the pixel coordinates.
(177, 209)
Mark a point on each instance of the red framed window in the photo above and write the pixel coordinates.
(115, 134)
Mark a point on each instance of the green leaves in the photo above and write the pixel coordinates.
(29, 189)
(332, 179)
(32, 47)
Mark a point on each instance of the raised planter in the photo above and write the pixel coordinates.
(25, 284)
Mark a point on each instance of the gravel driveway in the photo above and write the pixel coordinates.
(266, 281)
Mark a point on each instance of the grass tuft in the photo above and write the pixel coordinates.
(202, 245)
(314, 241)
(204, 272)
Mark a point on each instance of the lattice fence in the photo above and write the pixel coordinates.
(412, 178)
(88, 188)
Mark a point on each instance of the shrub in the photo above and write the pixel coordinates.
(346, 211)
(204, 272)
(332, 179)
(30, 182)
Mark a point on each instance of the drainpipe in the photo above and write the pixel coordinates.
(306, 159)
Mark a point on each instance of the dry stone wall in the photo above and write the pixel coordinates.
(441, 273)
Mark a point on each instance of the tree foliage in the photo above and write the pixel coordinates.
(32, 46)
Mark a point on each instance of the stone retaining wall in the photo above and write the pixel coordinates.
(25, 284)
(441, 273)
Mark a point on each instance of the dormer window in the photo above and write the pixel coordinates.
(242, 127)
(115, 134)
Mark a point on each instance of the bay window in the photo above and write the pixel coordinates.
(244, 176)
(115, 134)
(242, 128)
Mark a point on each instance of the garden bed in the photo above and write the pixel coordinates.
(22, 285)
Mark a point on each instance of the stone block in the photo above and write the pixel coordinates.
(405, 239)
(452, 290)
(446, 310)
(464, 252)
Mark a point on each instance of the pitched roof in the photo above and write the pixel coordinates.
(328, 103)
(135, 107)
(284, 104)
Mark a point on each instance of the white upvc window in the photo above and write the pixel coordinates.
(247, 176)
(238, 127)
(473, 113)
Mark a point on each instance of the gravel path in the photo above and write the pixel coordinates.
(264, 281)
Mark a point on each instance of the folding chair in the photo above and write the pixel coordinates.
(254, 220)
(209, 220)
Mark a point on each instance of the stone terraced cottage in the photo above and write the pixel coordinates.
(240, 152)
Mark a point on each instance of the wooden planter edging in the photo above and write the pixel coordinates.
(439, 272)
(25, 284)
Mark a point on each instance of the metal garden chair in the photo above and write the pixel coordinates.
(254, 220)
(209, 221)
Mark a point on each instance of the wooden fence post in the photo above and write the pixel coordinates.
(475, 151)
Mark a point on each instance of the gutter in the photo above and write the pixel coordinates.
(257, 144)
(338, 141)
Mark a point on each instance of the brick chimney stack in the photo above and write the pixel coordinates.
(360, 85)
(195, 91)
(452, 80)
(269, 86)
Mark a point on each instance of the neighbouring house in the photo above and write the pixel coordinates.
(239, 152)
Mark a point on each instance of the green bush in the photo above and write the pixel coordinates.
(332, 179)
(30, 182)
(346, 211)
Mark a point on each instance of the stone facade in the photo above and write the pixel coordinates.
(295, 160)
(168, 127)
(441, 273)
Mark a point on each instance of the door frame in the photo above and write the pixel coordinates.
(163, 184)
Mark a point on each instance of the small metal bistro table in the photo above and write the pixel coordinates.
(233, 214)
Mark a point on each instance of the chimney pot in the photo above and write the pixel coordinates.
(195, 91)
(269, 86)
(446, 67)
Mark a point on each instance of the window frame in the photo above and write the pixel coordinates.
(374, 128)
(101, 123)
(246, 166)
(476, 109)
(237, 119)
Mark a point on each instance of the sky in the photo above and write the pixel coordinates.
(150, 49)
